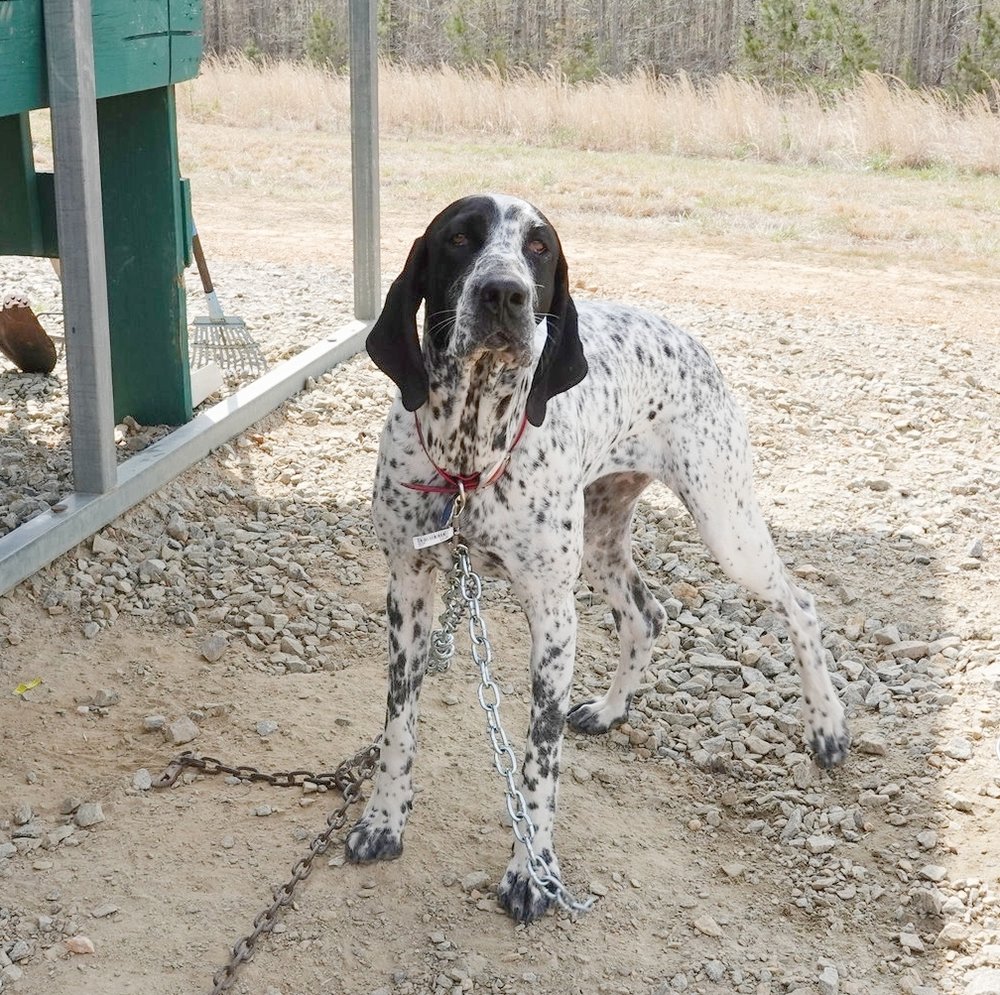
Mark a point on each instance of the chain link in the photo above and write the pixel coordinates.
(463, 595)
(443, 640)
(347, 778)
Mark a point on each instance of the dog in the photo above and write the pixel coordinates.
(551, 417)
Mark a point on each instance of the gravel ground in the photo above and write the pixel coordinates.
(240, 610)
(35, 457)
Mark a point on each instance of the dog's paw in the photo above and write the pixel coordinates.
(372, 839)
(595, 716)
(519, 894)
(827, 734)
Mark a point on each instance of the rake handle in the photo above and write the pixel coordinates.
(199, 258)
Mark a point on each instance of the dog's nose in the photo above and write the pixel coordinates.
(504, 298)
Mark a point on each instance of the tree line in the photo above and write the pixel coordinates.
(823, 43)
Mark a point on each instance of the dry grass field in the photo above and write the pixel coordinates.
(812, 213)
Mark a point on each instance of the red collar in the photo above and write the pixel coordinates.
(455, 483)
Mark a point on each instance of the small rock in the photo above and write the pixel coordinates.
(266, 727)
(874, 746)
(932, 872)
(20, 951)
(715, 970)
(106, 697)
(910, 649)
(734, 871)
(89, 814)
(105, 910)
(975, 551)
(958, 802)
(214, 646)
(90, 630)
(291, 646)
(102, 546)
(708, 926)
(181, 731)
(952, 936)
(958, 748)
(23, 814)
(263, 811)
(983, 981)
(911, 942)
(820, 844)
(79, 944)
(153, 723)
(886, 636)
(476, 881)
(829, 981)
(142, 780)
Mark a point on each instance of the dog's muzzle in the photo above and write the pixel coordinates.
(503, 321)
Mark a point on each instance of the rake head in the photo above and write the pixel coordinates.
(227, 342)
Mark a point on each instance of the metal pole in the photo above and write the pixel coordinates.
(364, 158)
(80, 227)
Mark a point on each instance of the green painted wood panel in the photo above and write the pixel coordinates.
(146, 231)
(20, 213)
(138, 44)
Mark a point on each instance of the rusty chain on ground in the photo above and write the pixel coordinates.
(347, 778)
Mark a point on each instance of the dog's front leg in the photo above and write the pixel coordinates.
(378, 834)
(552, 619)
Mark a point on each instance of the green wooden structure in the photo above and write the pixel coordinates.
(115, 197)
(141, 48)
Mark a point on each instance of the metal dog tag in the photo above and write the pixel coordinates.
(433, 538)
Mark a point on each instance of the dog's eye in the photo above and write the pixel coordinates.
(459, 238)
(537, 247)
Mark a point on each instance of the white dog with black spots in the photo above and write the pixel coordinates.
(553, 417)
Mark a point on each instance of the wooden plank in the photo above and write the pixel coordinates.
(38, 542)
(363, 30)
(20, 213)
(146, 230)
(81, 239)
(22, 57)
(138, 45)
(187, 38)
(131, 46)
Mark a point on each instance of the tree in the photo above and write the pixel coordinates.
(772, 44)
(978, 67)
(326, 44)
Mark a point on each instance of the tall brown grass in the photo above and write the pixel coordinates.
(880, 123)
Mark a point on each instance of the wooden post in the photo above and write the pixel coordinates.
(147, 229)
(70, 49)
(364, 158)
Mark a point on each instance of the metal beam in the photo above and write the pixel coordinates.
(69, 45)
(38, 542)
(364, 158)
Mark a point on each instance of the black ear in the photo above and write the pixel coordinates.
(393, 343)
(563, 364)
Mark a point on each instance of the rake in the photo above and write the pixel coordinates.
(219, 338)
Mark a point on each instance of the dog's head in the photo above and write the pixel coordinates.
(493, 277)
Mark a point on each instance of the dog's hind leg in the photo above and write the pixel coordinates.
(608, 567)
(378, 834)
(715, 483)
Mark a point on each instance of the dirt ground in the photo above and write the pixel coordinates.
(689, 901)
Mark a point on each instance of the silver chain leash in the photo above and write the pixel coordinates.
(464, 591)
